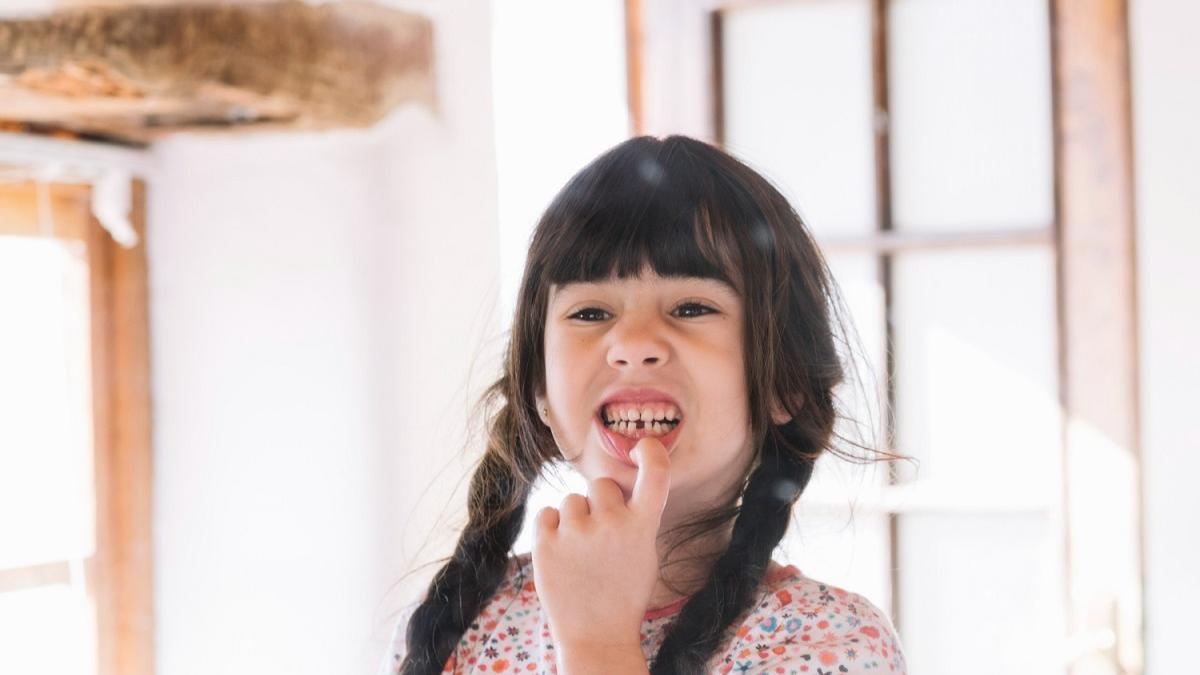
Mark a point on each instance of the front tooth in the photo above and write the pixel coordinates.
(644, 414)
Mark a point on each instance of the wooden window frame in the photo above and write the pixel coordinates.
(674, 56)
(120, 574)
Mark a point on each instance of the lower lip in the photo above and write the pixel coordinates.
(619, 445)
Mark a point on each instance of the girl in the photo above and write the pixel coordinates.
(672, 343)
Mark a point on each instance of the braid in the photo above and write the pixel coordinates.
(733, 583)
(469, 579)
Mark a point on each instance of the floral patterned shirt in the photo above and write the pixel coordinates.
(799, 626)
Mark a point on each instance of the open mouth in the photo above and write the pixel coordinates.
(622, 426)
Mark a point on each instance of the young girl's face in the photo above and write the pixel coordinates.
(681, 338)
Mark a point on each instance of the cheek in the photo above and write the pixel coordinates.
(566, 378)
(556, 371)
(727, 412)
(725, 379)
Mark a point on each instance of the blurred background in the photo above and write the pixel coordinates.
(258, 259)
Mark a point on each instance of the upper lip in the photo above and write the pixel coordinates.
(638, 395)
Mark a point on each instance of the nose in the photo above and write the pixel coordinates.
(637, 343)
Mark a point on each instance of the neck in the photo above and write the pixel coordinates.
(683, 569)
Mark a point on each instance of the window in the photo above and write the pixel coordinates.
(964, 165)
(75, 569)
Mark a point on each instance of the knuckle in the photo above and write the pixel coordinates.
(545, 518)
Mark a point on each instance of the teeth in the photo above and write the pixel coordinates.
(634, 413)
(630, 428)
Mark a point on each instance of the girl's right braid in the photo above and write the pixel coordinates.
(458, 592)
(734, 581)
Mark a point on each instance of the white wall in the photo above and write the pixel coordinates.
(316, 302)
(554, 114)
(324, 310)
(1166, 105)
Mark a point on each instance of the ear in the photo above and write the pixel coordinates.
(540, 405)
(779, 415)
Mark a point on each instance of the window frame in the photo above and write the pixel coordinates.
(119, 576)
(674, 56)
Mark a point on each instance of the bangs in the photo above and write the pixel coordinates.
(646, 203)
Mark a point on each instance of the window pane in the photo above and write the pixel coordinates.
(47, 631)
(980, 594)
(798, 106)
(971, 126)
(46, 511)
(46, 496)
(976, 376)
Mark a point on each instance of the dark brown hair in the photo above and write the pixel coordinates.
(685, 208)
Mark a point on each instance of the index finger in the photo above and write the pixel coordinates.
(653, 477)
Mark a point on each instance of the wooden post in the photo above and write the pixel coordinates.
(123, 572)
(1098, 345)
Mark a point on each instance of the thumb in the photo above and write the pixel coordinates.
(653, 478)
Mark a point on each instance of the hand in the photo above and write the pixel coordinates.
(595, 559)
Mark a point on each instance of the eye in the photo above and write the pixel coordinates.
(700, 309)
(587, 310)
(706, 308)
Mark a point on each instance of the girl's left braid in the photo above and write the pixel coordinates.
(496, 507)
(731, 588)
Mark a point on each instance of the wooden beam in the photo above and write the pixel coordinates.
(35, 576)
(141, 71)
(1098, 333)
(897, 241)
(634, 65)
(68, 208)
(123, 569)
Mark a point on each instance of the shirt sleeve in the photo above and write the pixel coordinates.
(869, 650)
(390, 664)
(849, 637)
(398, 645)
